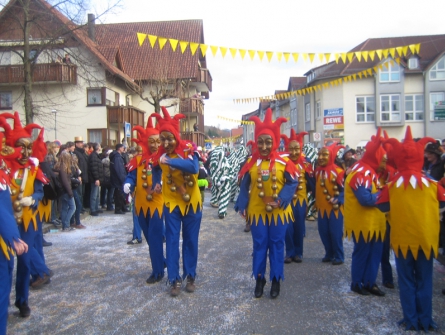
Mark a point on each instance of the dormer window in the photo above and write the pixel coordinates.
(413, 63)
(390, 72)
(438, 71)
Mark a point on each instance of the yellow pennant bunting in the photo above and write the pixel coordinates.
(162, 41)
(286, 56)
(269, 55)
(379, 53)
(141, 38)
(372, 55)
(328, 57)
(350, 55)
(214, 50)
(279, 56)
(260, 55)
(385, 53)
(337, 56)
(203, 48)
(304, 56)
(392, 52)
(152, 40)
(321, 57)
(365, 55)
(193, 47)
(412, 48)
(343, 57)
(233, 52)
(173, 43)
(251, 54)
(183, 45)
(295, 56)
(405, 50)
(242, 53)
(399, 51)
(311, 57)
(359, 56)
(417, 48)
(223, 51)
(398, 61)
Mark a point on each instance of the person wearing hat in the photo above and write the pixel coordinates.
(434, 166)
(107, 190)
(348, 159)
(268, 183)
(82, 161)
(412, 200)
(177, 164)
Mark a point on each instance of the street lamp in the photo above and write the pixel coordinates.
(55, 123)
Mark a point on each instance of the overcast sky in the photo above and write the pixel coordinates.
(281, 26)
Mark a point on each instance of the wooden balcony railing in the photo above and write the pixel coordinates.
(203, 76)
(195, 136)
(191, 106)
(42, 73)
(119, 114)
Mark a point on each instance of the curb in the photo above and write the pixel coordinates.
(48, 226)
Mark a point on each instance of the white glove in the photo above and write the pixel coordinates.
(26, 201)
(34, 161)
(130, 198)
(126, 188)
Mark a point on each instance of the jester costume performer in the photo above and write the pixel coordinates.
(148, 205)
(9, 238)
(272, 181)
(26, 187)
(221, 181)
(329, 202)
(296, 229)
(178, 165)
(413, 200)
(363, 221)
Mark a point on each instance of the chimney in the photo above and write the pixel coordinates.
(92, 27)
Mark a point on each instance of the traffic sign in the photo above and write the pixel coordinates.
(317, 137)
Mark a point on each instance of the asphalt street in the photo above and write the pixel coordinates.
(99, 288)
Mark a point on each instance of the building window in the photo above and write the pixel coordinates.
(365, 109)
(294, 116)
(434, 99)
(390, 72)
(438, 71)
(307, 114)
(95, 135)
(95, 97)
(5, 58)
(414, 107)
(5, 100)
(318, 110)
(390, 108)
(413, 63)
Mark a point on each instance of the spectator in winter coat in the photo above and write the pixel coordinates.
(118, 173)
(202, 180)
(82, 159)
(63, 166)
(107, 190)
(96, 176)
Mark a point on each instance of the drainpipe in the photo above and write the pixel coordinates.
(426, 100)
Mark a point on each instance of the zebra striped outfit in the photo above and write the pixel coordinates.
(219, 170)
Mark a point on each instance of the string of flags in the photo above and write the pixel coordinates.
(234, 120)
(192, 47)
(223, 139)
(319, 87)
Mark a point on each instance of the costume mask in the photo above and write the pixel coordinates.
(323, 157)
(294, 150)
(26, 145)
(168, 141)
(265, 144)
(153, 143)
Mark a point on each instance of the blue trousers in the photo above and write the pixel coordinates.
(6, 268)
(38, 264)
(385, 264)
(268, 238)
(94, 198)
(136, 225)
(191, 223)
(366, 259)
(153, 229)
(331, 234)
(416, 289)
(295, 231)
(68, 209)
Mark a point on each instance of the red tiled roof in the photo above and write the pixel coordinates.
(144, 62)
(432, 47)
(237, 131)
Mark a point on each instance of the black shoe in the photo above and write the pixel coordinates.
(56, 223)
(109, 209)
(390, 285)
(375, 291)
(247, 228)
(326, 260)
(287, 260)
(337, 262)
(134, 241)
(100, 211)
(46, 244)
(259, 288)
(94, 214)
(297, 259)
(24, 309)
(119, 212)
(154, 279)
(360, 290)
(275, 289)
(222, 215)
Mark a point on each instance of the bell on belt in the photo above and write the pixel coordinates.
(274, 178)
(16, 204)
(274, 196)
(19, 208)
(269, 208)
(336, 193)
(173, 188)
(274, 186)
(186, 197)
(144, 185)
(294, 196)
(333, 180)
(261, 194)
(300, 187)
(13, 192)
(322, 183)
(190, 183)
(325, 191)
(328, 197)
(144, 171)
(169, 181)
(187, 177)
(20, 197)
(258, 180)
(335, 206)
(335, 187)
(19, 220)
(144, 176)
(149, 197)
(259, 185)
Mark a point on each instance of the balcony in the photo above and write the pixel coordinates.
(196, 137)
(203, 81)
(191, 106)
(51, 73)
(122, 114)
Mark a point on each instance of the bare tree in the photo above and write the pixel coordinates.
(35, 31)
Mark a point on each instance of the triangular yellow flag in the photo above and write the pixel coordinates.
(369, 72)
(381, 67)
(319, 87)
(392, 52)
(365, 74)
(354, 76)
(286, 56)
(251, 53)
(152, 40)
(399, 51)
(321, 57)
(375, 68)
(337, 56)
(279, 56)
(233, 52)
(203, 48)
(173, 43)
(162, 41)
(379, 53)
(412, 48)
(343, 57)
(365, 55)
(260, 55)
(385, 53)
(405, 50)
(350, 55)
(327, 56)
(214, 50)
(269, 55)
(304, 56)
(372, 54)
(398, 60)
(242, 53)
(418, 48)
(141, 38)
(183, 45)
(340, 81)
(311, 57)
(193, 47)
(295, 56)
(223, 51)
(358, 54)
